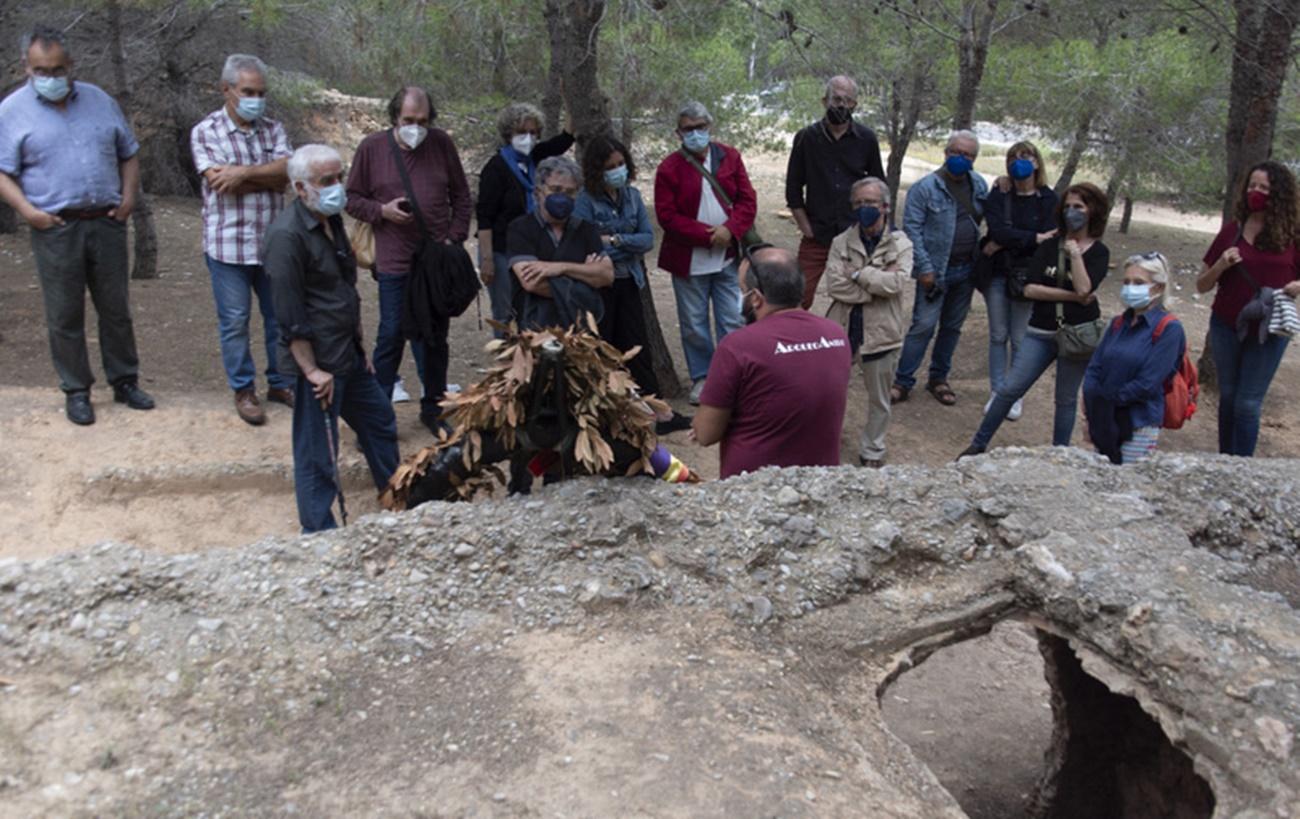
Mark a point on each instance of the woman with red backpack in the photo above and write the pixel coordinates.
(1125, 383)
(1252, 262)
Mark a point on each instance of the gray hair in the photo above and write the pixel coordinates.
(1153, 263)
(514, 115)
(774, 272)
(694, 110)
(842, 79)
(875, 181)
(308, 157)
(46, 36)
(963, 134)
(558, 164)
(237, 64)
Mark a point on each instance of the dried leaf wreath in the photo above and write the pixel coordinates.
(603, 398)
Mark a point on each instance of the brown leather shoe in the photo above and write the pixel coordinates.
(279, 395)
(249, 408)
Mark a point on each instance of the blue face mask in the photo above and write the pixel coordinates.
(559, 205)
(697, 140)
(868, 215)
(251, 108)
(958, 165)
(1135, 296)
(53, 89)
(1021, 169)
(617, 177)
(331, 199)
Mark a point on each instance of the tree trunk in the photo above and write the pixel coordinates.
(661, 359)
(145, 264)
(972, 53)
(1078, 144)
(1126, 218)
(1261, 55)
(574, 26)
(553, 96)
(904, 115)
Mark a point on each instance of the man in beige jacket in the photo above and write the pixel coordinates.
(867, 268)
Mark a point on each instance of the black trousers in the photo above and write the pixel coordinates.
(86, 254)
(624, 327)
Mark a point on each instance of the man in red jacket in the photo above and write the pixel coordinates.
(702, 224)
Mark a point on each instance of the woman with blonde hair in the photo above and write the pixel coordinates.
(1019, 220)
(1124, 386)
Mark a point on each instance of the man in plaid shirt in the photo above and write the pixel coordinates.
(242, 157)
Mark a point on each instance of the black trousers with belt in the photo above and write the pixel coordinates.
(81, 255)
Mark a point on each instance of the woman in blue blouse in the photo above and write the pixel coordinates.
(611, 203)
(1124, 386)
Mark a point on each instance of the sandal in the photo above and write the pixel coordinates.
(898, 395)
(942, 392)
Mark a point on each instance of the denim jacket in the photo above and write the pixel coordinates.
(930, 219)
(629, 221)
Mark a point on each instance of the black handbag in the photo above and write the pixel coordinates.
(452, 288)
(1074, 341)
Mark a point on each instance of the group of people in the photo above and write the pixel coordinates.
(559, 241)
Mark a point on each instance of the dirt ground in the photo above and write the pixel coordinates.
(191, 476)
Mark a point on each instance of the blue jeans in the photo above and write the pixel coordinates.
(363, 405)
(389, 341)
(693, 296)
(233, 286)
(948, 313)
(1036, 354)
(1245, 369)
(1008, 320)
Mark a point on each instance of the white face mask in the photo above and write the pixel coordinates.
(412, 135)
(522, 143)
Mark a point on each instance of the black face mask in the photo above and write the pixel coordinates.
(839, 114)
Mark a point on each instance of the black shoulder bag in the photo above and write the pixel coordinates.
(452, 287)
(751, 236)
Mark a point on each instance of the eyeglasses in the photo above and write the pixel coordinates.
(848, 102)
(1153, 256)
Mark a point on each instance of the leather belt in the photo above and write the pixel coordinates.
(84, 213)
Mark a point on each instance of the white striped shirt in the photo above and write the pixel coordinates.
(234, 224)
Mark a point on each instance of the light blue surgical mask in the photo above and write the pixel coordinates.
(330, 199)
(251, 109)
(697, 140)
(53, 89)
(1135, 296)
(616, 177)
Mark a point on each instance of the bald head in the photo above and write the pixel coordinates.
(774, 272)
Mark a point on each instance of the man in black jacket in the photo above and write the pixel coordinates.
(314, 287)
(827, 158)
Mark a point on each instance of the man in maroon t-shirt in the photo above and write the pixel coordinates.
(776, 389)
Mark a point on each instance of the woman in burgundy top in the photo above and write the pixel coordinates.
(1255, 249)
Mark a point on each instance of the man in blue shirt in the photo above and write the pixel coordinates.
(942, 218)
(68, 166)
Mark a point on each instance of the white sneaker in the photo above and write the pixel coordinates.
(1014, 413)
(696, 389)
(400, 395)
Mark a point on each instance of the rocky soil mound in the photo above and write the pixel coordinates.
(627, 648)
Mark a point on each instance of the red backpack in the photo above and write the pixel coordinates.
(1182, 389)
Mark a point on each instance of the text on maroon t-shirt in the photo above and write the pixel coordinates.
(785, 379)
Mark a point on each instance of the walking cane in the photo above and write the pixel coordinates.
(334, 460)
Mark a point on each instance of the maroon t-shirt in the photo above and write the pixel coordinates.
(785, 379)
(440, 189)
(1267, 269)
